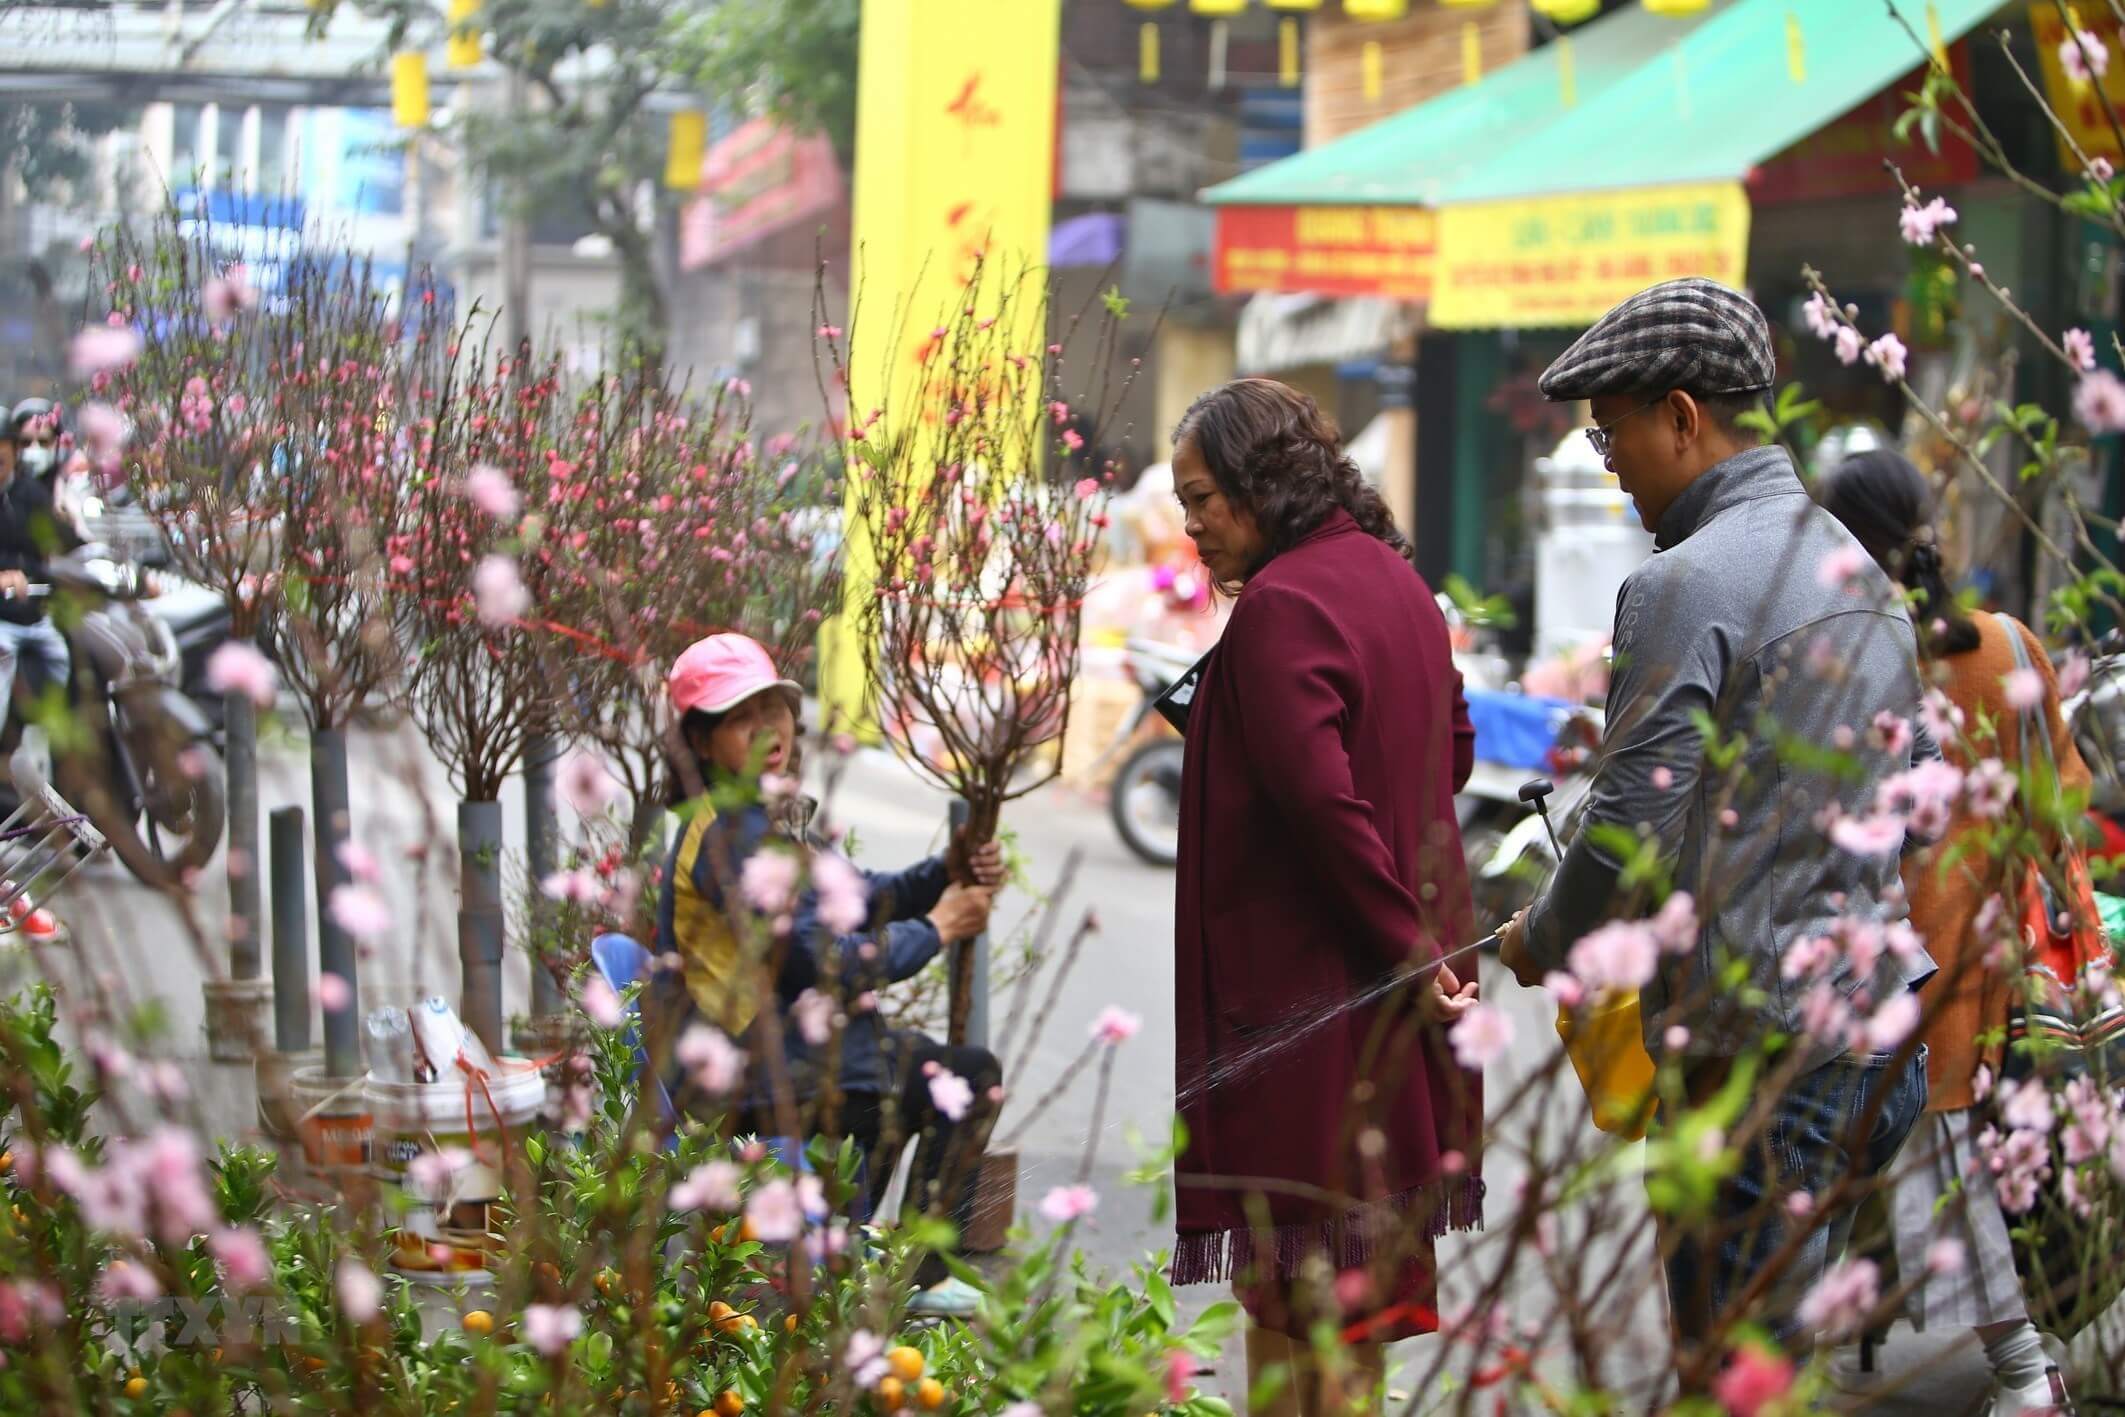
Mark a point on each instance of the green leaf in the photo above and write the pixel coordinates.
(1117, 304)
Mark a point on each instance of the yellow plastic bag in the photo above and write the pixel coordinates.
(1604, 1040)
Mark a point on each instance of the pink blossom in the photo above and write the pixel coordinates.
(124, 1280)
(360, 911)
(1942, 716)
(1087, 488)
(768, 881)
(1180, 1367)
(844, 897)
(431, 1174)
(488, 488)
(2080, 349)
(98, 349)
(1675, 926)
(774, 1213)
(1065, 1204)
(2019, 1166)
(1565, 989)
(1925, 793)
(332, 992)
(550, 1328)
(1752, 1381)
(1992, 787)
(1888, 354)
(1824, 1012)
(1821, 316)
(361, 1293)
(1843, 1299)
(499, 591)
(2025, 688)
(571, 887)
(1849, 343)
(1945, 1256)
(601, 1004)
(238, 668)
(1619, 955)
(1676, 1038)
(830, 332)
(1892, 1022)
(586, 783)
(1800, 1205)
(2073, 674)
(360, 863)
(1876, 835)
(951, 1094)
(864, 1357)
(1916, 224)
(226, 294)
(713, 1187)
(1116, 1025)
(2099, 402)
(1481, 1036)
(714, 1062)
(103, 429)
(2026, 1106)
(814, 1016)
(2082, 56)
(1840, 567)
(1892, 734)
(2100, 169)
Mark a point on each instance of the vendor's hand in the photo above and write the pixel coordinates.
(962, 912)
(1512, 951)
(984, 866)
(14, 585)
(1449, 995)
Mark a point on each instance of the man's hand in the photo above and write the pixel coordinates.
(1512, 951)
(14, 585)
(962, 913)
(1449, 995)
(985, 865)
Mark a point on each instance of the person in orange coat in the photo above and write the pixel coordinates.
(1885, 502)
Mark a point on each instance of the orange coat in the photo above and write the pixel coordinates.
(1947, 892)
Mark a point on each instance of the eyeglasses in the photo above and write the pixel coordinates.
(1603, 435)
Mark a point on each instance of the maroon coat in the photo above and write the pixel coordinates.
(1319, 851)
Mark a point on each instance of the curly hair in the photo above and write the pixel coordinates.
(1275, 455)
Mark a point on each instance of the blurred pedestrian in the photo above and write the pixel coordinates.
(1330, 1131)
(1940, 1193)
(1760, 616)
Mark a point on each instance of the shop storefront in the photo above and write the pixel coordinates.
(1736, 143)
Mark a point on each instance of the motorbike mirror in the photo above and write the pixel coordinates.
(1534, 791)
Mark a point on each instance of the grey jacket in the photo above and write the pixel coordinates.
(1732, 622)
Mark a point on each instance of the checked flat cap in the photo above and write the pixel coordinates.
(1692, 334)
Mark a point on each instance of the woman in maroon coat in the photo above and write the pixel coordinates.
(1320, 862)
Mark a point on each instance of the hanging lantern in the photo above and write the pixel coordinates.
(409, 89)
(1287, 53)
(1218, 9)
(1147, 52)
(1373, 11)
(1471, 52)
(1149, 4)
(1293, 5)
(1374, 64)
(1796, 50)
(1466, 4)
(1220, 36)
(685, 143)
(1567, 12)
(463, 49)
(1676, 9)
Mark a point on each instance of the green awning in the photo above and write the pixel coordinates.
(1722, 98)
(1414, 157)
(1660, 102)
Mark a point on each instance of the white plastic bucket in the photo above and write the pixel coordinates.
(411, 1119)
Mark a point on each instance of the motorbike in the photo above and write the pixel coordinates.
(1144, 800)
(140, 761)
(197, 617)
(1510, 851)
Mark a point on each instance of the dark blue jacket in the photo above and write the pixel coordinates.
(898, 944)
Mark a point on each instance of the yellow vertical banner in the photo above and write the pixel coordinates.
(684, 148)
(409, 89)
(956, 102)
(463, 50)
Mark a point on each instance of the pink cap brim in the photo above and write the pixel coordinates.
(788, 686)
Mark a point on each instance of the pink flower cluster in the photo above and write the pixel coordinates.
(155, 1186)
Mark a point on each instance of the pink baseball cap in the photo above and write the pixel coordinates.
(717, 674)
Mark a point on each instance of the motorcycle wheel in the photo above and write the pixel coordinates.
(159, 844)
(1145, 802)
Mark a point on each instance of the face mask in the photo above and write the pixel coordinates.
(36, 459)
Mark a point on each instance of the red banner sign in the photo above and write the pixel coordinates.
(1844, 158)
(1387, 251)
(760, 180)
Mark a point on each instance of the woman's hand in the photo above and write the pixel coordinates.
(962, 912)
(985, 866)
(1449, 995)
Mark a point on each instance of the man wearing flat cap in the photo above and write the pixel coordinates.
(1758, 617)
